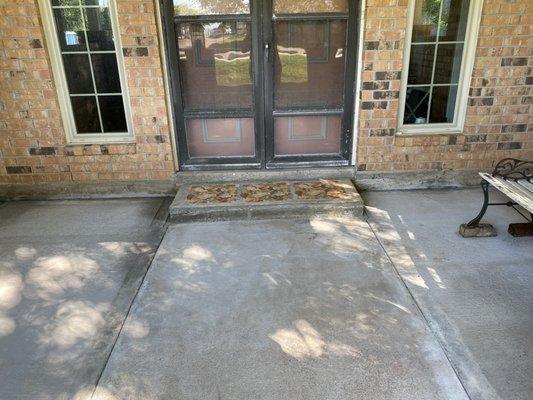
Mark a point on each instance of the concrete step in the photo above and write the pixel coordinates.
(265, 200)
(263, 175)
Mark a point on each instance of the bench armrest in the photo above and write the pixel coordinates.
(512, 168)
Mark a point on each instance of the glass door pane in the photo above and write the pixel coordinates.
(214, 41)
(216, 65)
(263, 83)
(211, 7)
(309, 64)
(306, 6)
(309, 61)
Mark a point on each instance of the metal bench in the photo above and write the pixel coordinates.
(514, 178)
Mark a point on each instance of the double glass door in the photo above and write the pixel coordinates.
(262, 83)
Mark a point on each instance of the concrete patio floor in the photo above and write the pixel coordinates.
(275, 309)
(477, 294)
(68, 273)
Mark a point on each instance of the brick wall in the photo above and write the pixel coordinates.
(33, 145)
(499, 119)
(32, 141)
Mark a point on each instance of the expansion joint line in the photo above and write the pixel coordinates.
(97, 383)
(424, 317)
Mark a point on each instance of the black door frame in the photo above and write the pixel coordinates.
(261, 20)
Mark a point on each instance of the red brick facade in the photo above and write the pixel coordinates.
(33, 146)
(499, 119)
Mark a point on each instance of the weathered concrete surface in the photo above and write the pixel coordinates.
(270, 175)
(349, 203)
(88, 190)
(275, 310)
(68, 274)
(403, 180)
(477, 293)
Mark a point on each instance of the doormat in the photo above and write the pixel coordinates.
(264, 200)
(223, 193)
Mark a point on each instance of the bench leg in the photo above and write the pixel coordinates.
(475, 222)
(474, 228)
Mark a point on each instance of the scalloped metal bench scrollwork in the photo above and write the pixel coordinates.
(514, 178)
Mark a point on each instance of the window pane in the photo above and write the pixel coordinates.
(454, 20)
(112, 111)
(416, 105)
(216, 64)
(421, 64)
(86, 114)
(309, 63)
(103, 3)
(65, 2)
(85, 69)
(70, 29)
(436, 21)
(106, 73)
(425, 20)
(307, 135)
(448, 65)
(221, 137)
(306, 6)
(99, 30)
(443, 104)
(452, 24)
(207, 7)
(78, 72)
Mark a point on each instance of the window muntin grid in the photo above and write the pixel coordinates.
(101, 70)
(430, 38)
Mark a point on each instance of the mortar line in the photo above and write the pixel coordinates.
(108, 357)
(426, 319)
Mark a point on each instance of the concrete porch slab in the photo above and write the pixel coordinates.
(265, 200)
(68, 273)
(292, 309)
(477, 294)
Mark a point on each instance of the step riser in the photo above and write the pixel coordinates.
(265, 212)
(198, 177)
(225, 201)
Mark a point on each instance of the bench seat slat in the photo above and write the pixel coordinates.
(511, 189)
(515, 187)
(520, 190)
(525, 184)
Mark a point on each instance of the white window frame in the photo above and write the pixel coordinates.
(60, 80)
(461, 103)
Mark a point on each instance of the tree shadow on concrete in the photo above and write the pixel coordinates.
(295, 309)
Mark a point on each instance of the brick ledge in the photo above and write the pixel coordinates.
(87, 190)
(408, 180)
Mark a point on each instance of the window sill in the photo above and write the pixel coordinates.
(100, 140)
(429, 132)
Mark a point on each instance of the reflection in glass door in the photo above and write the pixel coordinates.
(212, 61)
(311, 102)
(262, 84)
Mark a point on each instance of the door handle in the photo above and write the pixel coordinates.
(267, 50)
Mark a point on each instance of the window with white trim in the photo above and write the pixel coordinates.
(438, 60)
(88, 69)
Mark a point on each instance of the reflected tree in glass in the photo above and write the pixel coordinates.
(310, 6)
(216, 64)
(210, 7)
(431, 11)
